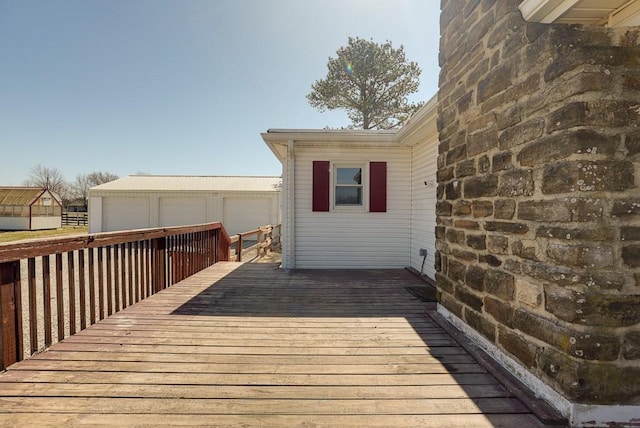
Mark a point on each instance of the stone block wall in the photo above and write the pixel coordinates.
(538, 231)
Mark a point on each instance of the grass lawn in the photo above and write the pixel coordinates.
(10, 236)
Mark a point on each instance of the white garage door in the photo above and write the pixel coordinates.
(182, 211)
(125, 213)
(244, 214)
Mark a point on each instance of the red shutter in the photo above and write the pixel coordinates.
(321, 185)
(378, 187)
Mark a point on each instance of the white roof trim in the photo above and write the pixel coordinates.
(545, 11)
(328, 135)
(278, 139)
(190, 183)
(421, 124)
(611, 13)
(627, 15)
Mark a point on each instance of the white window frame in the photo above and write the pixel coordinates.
(365, 186)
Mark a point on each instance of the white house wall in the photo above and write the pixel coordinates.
(423, 205)
(353, 239)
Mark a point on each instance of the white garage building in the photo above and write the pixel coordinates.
(143, 201)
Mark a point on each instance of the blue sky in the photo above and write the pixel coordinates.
(179, 87)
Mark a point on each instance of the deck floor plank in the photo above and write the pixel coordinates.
(254, 345)
(284, 421)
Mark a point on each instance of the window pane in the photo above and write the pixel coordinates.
(349, 176)
(348, 195)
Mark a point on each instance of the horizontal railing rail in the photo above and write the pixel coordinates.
(52, 288)
(266, 237)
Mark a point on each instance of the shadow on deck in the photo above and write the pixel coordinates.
(255, 345)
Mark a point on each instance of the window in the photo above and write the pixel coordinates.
(348, 190)
(358, 186)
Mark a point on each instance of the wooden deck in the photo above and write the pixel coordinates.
(255, 345)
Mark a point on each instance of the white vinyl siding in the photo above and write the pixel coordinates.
(423, 205)
(343, 238)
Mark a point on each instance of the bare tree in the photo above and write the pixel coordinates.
(48, 178)
(101, 177)
(79, 189)
(82, 184)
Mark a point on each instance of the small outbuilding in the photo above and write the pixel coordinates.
(29, 208)
(240, 203)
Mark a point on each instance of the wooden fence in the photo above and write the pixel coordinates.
(52, 288)
(75, 219)
(266, 237)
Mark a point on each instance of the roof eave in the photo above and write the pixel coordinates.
(278, 139)
(421, 125)
(334, 135)
(275, 148)
(545, 11)
(609, 13)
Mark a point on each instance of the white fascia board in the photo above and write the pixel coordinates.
(627, 16)
(277, 147)
(328, 135)
(545, 11)
(421, 125)
(279, 140)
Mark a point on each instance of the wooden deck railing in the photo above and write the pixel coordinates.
(266, 237)
(52, 288)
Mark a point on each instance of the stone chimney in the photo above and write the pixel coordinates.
(538, 232)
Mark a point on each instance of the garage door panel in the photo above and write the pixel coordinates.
(243, 214)
(182, 211)
(125, 213)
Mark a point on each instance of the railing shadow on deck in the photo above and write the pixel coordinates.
(52, 288)
(247, 291)
(267, 291)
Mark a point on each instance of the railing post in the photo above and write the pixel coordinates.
(268, 239)
(239, 246)
(211, 247)
(222, 247)
(158, 264)
(11, 314)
